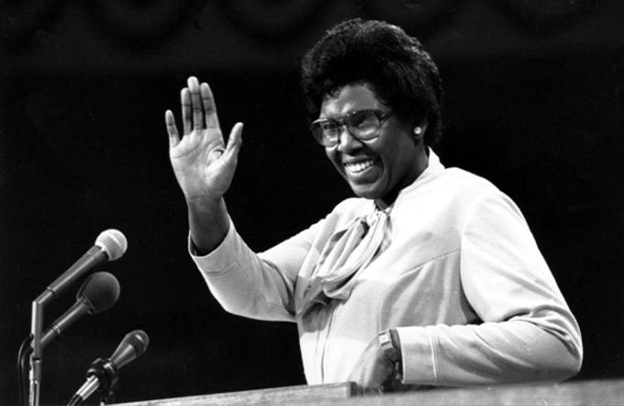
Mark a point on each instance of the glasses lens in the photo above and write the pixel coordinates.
(363, 124)
(326, 132)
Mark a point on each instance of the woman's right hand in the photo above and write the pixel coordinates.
(203, 165)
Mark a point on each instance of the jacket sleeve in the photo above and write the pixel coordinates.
(527, 331)
(258, 286)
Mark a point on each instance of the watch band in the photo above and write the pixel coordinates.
(387, 346)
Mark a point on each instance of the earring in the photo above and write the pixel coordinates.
(418, 130)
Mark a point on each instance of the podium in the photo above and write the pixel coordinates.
(581, 393)
(290, 395)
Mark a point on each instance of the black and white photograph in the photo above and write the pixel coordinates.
(311, 202)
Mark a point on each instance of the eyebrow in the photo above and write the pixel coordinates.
(352, 111)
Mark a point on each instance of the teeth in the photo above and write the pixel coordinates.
(358, 166)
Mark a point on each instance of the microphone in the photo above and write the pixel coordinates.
(99, 292)
(109, 246)
(103, 373)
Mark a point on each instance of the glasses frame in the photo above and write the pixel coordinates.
(343, 122)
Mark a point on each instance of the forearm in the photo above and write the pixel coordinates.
(490, 353)
(208, 223)
(244, 283)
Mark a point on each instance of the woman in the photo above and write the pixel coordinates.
(430, 276)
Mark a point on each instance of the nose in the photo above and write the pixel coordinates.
(346, 141)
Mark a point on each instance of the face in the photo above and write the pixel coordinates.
(381, 167)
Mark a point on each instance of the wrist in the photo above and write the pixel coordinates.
(390, 345)
(209, 224)
(204, 203)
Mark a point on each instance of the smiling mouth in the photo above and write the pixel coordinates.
(357, 167)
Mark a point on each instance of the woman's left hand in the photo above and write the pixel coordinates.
(374, 372)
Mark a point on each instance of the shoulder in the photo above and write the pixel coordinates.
(459, 194)
(455, 186)
(469, 188)
(464, 179)
(482, 201)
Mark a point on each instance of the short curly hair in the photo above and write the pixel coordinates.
(400, 71)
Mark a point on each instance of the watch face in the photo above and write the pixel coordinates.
(385, 342)
(385, 338)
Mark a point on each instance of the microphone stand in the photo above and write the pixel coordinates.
(23, 359)
(110, 242)
(36, 356)
(102, 376)
(90, 258)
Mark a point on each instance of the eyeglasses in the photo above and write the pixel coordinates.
(362, 124)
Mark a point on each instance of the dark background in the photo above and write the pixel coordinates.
(534, 103)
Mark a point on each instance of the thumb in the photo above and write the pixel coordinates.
(235, 141)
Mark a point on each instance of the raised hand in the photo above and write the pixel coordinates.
(203, 165)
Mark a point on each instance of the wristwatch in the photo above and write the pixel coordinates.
(387, 346)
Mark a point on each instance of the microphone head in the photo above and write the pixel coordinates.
(131, 347)
(113, 242)
(139, 340)
(101, 290)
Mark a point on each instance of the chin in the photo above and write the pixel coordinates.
(365, 193)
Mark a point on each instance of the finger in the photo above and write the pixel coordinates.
(235, 140)
(172, 130)
(196, 103)
(210, 107)
(185, 102)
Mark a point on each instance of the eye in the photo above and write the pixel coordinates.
(362, 119)
(328, 125)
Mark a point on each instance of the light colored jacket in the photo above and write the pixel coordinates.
(460, 277)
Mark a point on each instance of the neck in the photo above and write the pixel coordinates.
(384, 202)
(422, 162)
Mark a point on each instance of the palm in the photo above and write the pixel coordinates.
(203, 166)
(199, 164)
